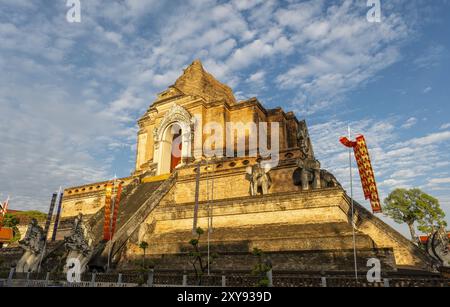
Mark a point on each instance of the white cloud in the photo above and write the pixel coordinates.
(411, 122)
(431, 57)
(336, 57)
(439, 180)
(433, 138)
(427, 89)
(257, 77)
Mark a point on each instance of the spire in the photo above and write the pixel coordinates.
(196, 81)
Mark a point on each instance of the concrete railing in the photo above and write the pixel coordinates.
(161, 279)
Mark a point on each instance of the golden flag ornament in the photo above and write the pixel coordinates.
(366, 173)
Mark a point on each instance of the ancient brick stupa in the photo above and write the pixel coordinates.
(294, 211)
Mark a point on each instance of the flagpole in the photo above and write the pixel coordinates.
(353, 206)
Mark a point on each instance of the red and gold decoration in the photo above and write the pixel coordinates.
(366, 173)
(116, 210)
(108, 203)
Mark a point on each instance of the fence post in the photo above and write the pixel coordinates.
(47, 279)
(28, 279)
(151, 274)
(270, 278)
(93, 280)
(184, 280)
(119, 279)
(386, 283)
(10, 276)
(224, 281)
(324, 282)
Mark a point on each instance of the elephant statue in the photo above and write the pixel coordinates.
(328, 180)
(259, 179)
(308, 174)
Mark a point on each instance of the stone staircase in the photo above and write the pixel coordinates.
(134, 209)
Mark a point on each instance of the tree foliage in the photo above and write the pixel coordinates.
(414, 206)
(261, 268)
(434, 216)
(143, 245)
(196, 257)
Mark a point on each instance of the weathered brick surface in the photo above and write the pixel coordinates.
(303, 261)
(286, 220)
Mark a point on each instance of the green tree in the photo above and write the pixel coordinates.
(143, 245)
(261, 268)
(413, 206)
(434, 216)
(196, 257)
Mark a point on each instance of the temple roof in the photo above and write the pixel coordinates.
(196, 81)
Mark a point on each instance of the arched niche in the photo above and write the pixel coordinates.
(176, 125)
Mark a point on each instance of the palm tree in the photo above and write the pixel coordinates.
(143, 245)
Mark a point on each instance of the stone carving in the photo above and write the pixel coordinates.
(438, 247)
(328, 180)
(259, 178)
(79, 243)
(303, 139)
(179, 115)
(155, 134)
(34, 238)
(78, 240)
(308, 174)
(33, 245)
(176, 114)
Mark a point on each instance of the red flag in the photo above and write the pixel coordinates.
(366, 173)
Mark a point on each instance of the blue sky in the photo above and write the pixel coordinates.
(70, 93)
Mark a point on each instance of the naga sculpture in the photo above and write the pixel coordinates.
(79, 243)
(438, 247)
(33, 245)
(259, 179)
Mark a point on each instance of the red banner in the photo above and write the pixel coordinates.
(366, 173)
(106, 225)
(116, 210)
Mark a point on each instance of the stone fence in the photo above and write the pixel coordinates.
(163, 279)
